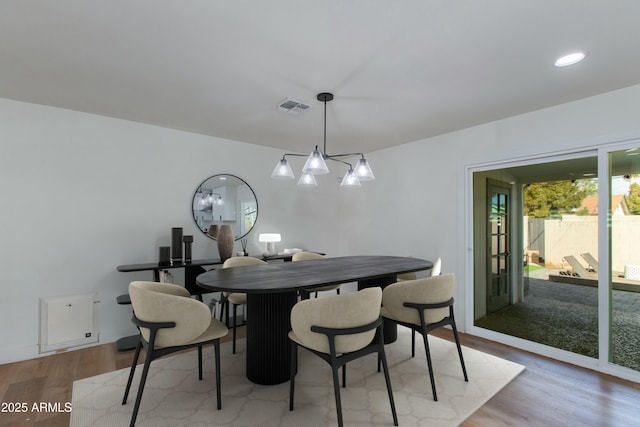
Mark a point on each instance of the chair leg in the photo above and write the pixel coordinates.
(222, 305)
(235, 308)
(143, 380)
(413, 343)
(336, 389)
(293, 365)
(433, 382)
(344, 375)
(227, 314)
(200, 362)
(382, 358)
(338, 291)
(216, 347)
(455, 335)
(132, 371)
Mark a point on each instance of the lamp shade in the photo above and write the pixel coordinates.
(315, 164)
(307, 180)
(363, 170)
(350, 179)
(269, 237)
(282, 170)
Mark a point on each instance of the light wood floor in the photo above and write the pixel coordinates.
(547, 393)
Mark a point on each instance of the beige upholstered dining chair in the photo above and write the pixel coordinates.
(423, 305)
(237, 298)
(339, 329)
(170, 321)
(435, 271)
(305, 256)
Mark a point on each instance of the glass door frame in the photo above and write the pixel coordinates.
(605, 278)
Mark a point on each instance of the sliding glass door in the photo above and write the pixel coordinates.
(572, 254)
(624, 253)
(551, 294)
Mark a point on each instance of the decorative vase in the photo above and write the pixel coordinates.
(213, 231)
(225, 242)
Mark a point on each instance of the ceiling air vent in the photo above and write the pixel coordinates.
(292, 107)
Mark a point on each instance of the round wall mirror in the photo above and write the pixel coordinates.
(225, 200)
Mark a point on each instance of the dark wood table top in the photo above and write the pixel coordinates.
(289, 276)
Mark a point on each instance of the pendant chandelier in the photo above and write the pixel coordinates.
(316, 164)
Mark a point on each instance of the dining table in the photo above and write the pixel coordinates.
(272, 290)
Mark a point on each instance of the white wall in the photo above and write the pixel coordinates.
(82, 194)
(416, 205)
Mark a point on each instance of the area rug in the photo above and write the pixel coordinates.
(174, 397)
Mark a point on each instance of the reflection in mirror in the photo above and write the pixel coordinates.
(225, 200)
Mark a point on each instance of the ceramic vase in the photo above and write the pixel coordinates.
(225, 242)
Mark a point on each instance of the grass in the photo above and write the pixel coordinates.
(532, 267)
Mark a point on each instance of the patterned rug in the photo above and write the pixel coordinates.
(174, 397)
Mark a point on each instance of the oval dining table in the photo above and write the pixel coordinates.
(272, 290)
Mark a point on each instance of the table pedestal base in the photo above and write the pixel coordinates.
(268, 326)
(390, 329)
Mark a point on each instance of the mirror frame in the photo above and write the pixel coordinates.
(197, 191)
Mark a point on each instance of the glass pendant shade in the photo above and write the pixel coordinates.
(363, 171)
(350, 179)
(282, 170)
(315, 164)
(307, 180)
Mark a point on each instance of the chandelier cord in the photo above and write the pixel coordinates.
(324, 149)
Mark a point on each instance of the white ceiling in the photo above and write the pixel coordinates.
(400, 70)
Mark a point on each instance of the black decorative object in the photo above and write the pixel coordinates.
(165, 255)
(176, 244)
(188, 240)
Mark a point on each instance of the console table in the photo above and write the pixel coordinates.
(191, 270)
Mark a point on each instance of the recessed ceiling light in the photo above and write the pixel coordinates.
(572, 58)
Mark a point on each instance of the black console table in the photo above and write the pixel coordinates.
(191, 270)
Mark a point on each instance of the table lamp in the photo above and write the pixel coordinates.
(270, 240)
